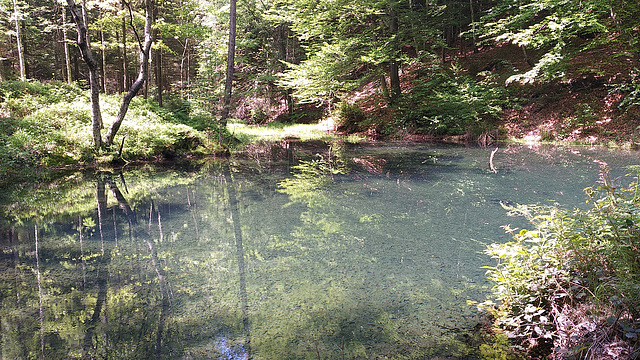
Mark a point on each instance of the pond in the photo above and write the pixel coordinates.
(295, 251)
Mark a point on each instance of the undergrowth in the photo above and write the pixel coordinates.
(450, 102)
(570, 288)
(49, 125)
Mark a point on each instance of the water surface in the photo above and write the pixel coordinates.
(352, 251)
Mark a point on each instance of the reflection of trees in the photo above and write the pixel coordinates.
(41, 317)
(307, 258)
(70, 298)
(367, 269)
(237, 233)
(138, 232)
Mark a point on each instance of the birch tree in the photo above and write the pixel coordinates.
(16, 18)
(80, 18)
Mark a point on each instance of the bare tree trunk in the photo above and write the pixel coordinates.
(142, 74)
(125, 64)
(67, 58)
(394, 68)
(104, 62)
(230, 64)
(121, 71)
(473, 25)
(157, 55)
(16, 16)
(79, 16)
(183, 75)
(159, 82)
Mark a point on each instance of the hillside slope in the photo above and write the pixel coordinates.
(593, 102)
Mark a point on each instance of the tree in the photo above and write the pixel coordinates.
(79, 15)
(552, 28)
(230, 64)
(144, 50)
(65, 44)
(16, 19)
(349, 41)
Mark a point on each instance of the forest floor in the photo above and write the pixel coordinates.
(582, 107)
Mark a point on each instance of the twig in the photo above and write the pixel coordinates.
(317, 350)
(121, 146)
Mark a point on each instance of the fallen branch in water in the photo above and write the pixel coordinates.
(491, 160)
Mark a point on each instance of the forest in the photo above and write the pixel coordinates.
(551, 70)
(98, 84)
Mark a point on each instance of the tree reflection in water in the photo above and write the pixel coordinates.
(355, 253)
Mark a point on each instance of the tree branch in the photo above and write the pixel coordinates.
(135, 32)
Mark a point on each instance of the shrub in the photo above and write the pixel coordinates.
(451, 102)
(631, 91)
(349, 117)
(572, 261)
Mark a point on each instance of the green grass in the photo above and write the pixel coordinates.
(45, 126)
(276, 131)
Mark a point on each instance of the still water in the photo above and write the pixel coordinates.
(292, 252)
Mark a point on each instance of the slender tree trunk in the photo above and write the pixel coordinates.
(25, 53)
(79, 16)
(158, 69)
(16, 16)
(385, 89)
(189, 69)
(65, 40)
(76, 66)
(56, 55)
(230, 64)
(394, 68)
(121, 71)
(473, 25)
(157, 59)
(125, 64)
(183, 75)
(104, 61)
(140, 80)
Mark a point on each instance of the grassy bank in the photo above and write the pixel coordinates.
(45, 126)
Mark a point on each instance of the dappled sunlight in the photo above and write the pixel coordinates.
(342, 250)
(277, 131)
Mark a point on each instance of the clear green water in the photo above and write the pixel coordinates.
(358, 252)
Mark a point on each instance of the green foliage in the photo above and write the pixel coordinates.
(450, 102)
(49, 125)
(349, 117)
(19, 98)
(631, 91)
(310, 179)
(571, 258)
(498, 349)
(324, 75)
(549, 26)
(346, 42)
